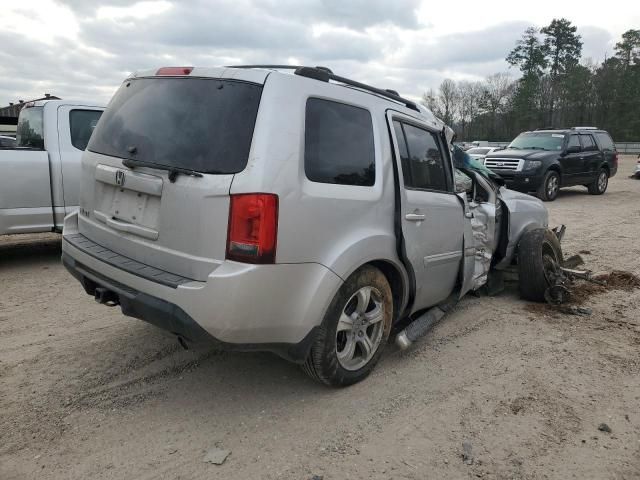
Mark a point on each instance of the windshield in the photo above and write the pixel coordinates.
(478, 151)
(538, 141)
(29, 132)
(199, 124)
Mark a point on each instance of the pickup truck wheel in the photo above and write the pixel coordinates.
(354, 331)
(539, 255)
(548, 190)
(600, 184)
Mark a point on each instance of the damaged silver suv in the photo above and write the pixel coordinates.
(297, 212)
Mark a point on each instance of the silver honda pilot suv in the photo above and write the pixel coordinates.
(288, 210)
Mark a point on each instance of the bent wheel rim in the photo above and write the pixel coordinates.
(550, 263)
(360, 328)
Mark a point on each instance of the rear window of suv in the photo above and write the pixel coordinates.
(199, 124)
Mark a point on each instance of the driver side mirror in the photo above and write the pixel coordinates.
(572, 149)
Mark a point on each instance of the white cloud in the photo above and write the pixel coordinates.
(85, 48)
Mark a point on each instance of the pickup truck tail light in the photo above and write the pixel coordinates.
(253, 228)
(615, 159)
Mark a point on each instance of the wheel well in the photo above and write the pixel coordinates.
(556, 169)
(396, 283)
(606, 167)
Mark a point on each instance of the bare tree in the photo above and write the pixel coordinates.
(448, 98)
(469, 94)
(430, 100)
(497, 91)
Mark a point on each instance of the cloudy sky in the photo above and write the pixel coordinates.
(84, 48)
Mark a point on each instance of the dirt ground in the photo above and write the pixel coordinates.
(88, 393)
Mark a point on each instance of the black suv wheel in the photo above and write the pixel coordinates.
(548, 190)
(600, 184)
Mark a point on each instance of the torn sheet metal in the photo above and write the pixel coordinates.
(483, 225)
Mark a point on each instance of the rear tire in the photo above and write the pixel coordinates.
(600, 184)
(548, 191)
(537, 251)
(354, 330)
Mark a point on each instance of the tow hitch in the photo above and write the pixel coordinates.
(106, 297)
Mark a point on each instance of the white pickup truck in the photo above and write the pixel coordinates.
(39, 178)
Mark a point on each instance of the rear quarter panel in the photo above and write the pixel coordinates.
(339, 226)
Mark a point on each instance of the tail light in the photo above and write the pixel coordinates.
(615, 159)
(253, 228)
(174, 71)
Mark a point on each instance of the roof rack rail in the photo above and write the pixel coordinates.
(585, 128)
(324, 74)
(548, 128)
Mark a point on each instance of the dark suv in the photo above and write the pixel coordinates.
(543, 161)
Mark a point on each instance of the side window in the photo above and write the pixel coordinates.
(339, 145)
(574, 141)
(404, 153)
(605, 141)
(426, 163)
(82, 124)
(587, 143)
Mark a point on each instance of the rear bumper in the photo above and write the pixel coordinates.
(240, 306)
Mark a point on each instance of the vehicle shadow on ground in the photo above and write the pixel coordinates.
(13, 252)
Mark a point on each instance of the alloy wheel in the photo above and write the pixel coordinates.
(552, 186)
(602, 181)
(360, 328)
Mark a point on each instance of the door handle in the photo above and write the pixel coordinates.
(415, 217)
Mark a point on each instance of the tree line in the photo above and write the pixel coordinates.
(555, 89)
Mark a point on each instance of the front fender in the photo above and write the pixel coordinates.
(525, 212)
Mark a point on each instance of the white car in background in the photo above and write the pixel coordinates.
(478, 153)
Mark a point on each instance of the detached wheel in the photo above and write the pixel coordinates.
(539, 255)
(600, 184)
(354, 331)
(550, 187)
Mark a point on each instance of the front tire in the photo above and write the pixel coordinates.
(600, 184)
(354, 331)
(539, 254)
(550, 187)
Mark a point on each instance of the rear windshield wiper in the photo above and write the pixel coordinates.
(173, 171)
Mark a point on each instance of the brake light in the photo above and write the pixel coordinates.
(253, 228)
(615, 159)
(174, 71)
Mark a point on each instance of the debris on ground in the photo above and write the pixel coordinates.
(603, 427)
(217, 456)
(572, 287)
(467, 454)
(575, 310)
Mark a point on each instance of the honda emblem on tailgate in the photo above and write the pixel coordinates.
(120, 177)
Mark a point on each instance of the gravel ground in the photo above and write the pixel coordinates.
(88, 393)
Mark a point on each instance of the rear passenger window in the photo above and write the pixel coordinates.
(339, 145)
(425, 166)
(82, 123)
(587, 143)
